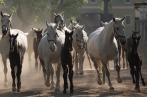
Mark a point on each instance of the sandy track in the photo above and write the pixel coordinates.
(86, 85)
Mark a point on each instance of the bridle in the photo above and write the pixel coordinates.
(49, 40)
(78, 41)
(115, 32)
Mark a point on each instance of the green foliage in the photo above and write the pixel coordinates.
(2, 2)
(35, 10)
(101, 6)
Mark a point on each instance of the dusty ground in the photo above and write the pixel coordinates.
(86, 85)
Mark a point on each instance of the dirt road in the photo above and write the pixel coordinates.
(86, 85)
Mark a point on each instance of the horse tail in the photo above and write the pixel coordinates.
(88, 56)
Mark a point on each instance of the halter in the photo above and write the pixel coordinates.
(118, 34)
(53, 40)
(78, 40)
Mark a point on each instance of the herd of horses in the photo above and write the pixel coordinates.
(65, 47)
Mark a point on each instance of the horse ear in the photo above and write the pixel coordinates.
(10, 15)
(72, 32)
(55, 14)
(66, 33)
(47, 24)
(41, 30)
(139, 37)
(1, 13)
(83, 27)
(113, 19)
(71, 21)
(62, 15)
(123, 19)
(103, 24)
(16, 35)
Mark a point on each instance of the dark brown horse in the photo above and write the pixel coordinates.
(67, 61)
(126, 48)
(35, 46)
(135, 62)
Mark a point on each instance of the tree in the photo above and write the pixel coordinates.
(30, 11)
(68, 7)
(104, 6)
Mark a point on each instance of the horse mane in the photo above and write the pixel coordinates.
(6, 14)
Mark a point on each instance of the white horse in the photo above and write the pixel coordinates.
(4, 42)
(102, 47)
(79, 43)
(31, 35)
(49, 50)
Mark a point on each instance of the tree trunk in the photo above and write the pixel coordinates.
(25, 24)
(106, 11)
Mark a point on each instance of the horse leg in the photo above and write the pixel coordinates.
(52, 77)
(132, 71)
(142, 79)
(19, 68)
(65, 71)
(43, 68)
(99, 81)
(104, 73)
(76, 64)
(29, 58)
(127, 59)
(36, 61)
(108, 75)
(13, 77)
(137, 81)
(58, 76)
(117, 66)
(70, 76)
(47, 65)
(5, 70)
(123, 52)
(81, 58)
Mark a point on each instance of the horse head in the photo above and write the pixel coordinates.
(59, 18)
(119, 30)
(52, 35)
(39, 33)
(68, 40)
(12, 41)
(6, 22)
(79, 31)
(73, 24)
(135, 37)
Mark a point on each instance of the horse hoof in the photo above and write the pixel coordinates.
(99, 81)
(119, 80)
(64, 92)
(111, 88)
(52, 87)
(47, 84)
(57, 90)
(18, 90)
(81, 73)
(71, 92)
(5, 84)
(134, 82)
(13, 89)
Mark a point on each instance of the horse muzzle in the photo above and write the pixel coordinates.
(11, 49)
(4, 32)
(53, 49)
(123, 41)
